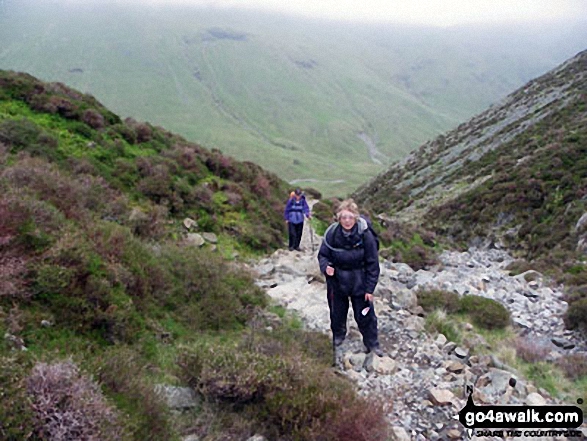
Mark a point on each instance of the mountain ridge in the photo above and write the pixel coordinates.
(291, 95)
(512, 177)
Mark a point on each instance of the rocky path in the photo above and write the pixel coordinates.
(422, 378)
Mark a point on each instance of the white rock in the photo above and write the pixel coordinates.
(441, 397)
(535, 399)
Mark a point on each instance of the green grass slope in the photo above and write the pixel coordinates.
(329, 103)
(103, 296)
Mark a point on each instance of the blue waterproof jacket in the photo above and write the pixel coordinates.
(296, 209)
(354, 258)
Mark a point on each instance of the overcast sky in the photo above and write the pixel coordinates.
(432, 12)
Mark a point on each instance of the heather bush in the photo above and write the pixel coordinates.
(205, 291)
(13, 271)
(574, 366)
(148, 223)
(77, 285)
(433, 299)
(28, 223)
(485, 313)
(323, 215)
(16, 414)
(530, 350)
(576, 315)
(73, 196)
(287, 397)
(69, 405)
(24, 135)
(93, 118)
(124, 374)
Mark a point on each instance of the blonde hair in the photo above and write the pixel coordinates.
(347, 205)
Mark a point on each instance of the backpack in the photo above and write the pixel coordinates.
(368, 226)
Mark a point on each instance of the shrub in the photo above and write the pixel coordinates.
(13, 270)
(122, 372)
(205, 291)
(433, 299)
(323, 212)
(16, 414)
(574, 366)
(127, 132)
(576, 315)
(530, 351)
(286, 396)
(93, 118)
(30, 223)
(73, 196)
(416, 256)
(68, 405)
(486, 313)
(23, 134)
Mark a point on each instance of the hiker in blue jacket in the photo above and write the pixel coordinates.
(349, 258)
(295, 210)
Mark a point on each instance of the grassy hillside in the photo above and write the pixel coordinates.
(315, 100)
(104, 294)
(514, 176)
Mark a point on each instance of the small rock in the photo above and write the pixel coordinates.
(177, 398)
(257, 438)
(454, 434)
(562, 343)
(265, 270)
(195, 239)
(535, 399)
(400, 433)
(461, 353)
(441, 397)
(449, 347)
(440, 340)
(189, 223)
(383, 365)
(210, 237)
(455, 367)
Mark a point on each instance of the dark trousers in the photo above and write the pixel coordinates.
(295, 234)
(339, 308)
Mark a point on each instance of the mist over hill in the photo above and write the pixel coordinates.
(321, 103)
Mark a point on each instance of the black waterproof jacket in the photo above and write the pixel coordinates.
(354, 258)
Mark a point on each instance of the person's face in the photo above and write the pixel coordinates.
(347, 219)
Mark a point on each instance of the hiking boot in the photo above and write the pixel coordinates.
(338, 341)
(377, 351)
(291, 248)
(297, 249)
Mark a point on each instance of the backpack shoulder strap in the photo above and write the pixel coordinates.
(363, 225)
(331, 228)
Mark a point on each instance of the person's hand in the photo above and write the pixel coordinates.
(369, 297)
(329, 271)
(287, 222)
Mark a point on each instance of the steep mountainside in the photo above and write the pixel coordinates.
(122, 294)
(328, 103)
(513, 176)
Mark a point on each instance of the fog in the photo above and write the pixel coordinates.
(421, 12)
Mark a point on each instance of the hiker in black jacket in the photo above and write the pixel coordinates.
(349, 258)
